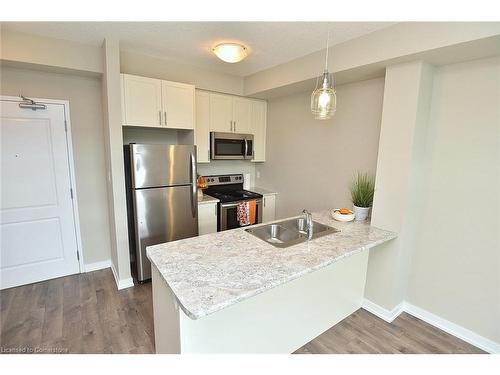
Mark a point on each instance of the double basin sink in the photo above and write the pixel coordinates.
(289, 232)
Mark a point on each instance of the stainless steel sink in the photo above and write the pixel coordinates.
(289, 232)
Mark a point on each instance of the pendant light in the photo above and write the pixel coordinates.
(324, 98)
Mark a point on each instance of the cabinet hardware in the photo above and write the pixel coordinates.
(264, 201)
(159, 114)
(165, 113)
(234, 125)
(208, 154)
(215, 210)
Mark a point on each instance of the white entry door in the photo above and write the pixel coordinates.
(38, 232)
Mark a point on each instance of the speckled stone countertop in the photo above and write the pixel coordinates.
(262, 191)
(214, 271)
(207, 199)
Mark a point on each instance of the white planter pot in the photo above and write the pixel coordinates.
(361, 213)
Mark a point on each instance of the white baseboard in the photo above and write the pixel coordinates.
(122, 284)
(445, 325)
(453, 329)
(89, 267)
(382, 313)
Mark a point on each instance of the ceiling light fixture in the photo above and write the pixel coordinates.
(230, 52)
(324, 98)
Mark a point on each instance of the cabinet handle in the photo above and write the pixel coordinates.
(215, 210)
(208, 154)
(231, 125)
(159, 115)
(264, 201)
(234, 125)
(165, 113)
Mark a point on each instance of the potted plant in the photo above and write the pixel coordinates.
(362, 189)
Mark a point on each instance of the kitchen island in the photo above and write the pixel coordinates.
(231, 292)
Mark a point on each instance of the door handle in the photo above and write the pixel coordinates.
(193, 184)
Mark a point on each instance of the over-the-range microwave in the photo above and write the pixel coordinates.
(230, 146)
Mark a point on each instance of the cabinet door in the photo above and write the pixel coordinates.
(207, 218)
(202, 126)
(241, 115)
(269, 211)
(141, 101)
(221, 113)
(258, 126)
(178, 105)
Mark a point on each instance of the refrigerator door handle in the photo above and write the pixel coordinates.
(193, 184)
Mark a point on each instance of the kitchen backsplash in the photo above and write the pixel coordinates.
(228, 167)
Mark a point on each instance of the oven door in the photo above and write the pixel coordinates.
(230, 146)
(228, 218)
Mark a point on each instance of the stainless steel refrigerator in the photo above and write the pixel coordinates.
(161, 199)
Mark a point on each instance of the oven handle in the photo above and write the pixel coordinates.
(229, 205)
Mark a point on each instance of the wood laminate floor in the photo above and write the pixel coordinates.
(85, 313)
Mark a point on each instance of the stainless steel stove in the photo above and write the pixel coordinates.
(229, 190)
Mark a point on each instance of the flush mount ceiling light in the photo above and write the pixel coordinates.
(324, 98)
(230, 52)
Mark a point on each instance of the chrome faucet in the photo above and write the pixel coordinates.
(309, 223)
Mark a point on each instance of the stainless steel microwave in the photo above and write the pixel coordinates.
(229, 146)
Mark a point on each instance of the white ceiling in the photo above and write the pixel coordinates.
(270, 43)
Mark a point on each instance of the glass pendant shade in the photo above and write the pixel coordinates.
(324, 98)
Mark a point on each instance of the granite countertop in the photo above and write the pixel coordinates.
(207, 199)
(214, 271)
(262, 191)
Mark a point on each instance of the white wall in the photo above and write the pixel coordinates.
(84, 95)
(455, 266)
(310, 162)
(407, 93)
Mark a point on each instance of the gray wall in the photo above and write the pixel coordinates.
(310, 162)
(455, 266)
(84, 95)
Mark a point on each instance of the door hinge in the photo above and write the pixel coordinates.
(77, 255)
(65, 126)
(71, 192)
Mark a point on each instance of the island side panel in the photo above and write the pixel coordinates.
(284, 318)
(165, 315)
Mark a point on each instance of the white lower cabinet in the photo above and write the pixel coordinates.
(207, 218)
(269, 210)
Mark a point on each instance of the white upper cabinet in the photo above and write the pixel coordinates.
(202, 128)
(241, 114)
(229, 114)
(258, 123)
(221, 113)
(155, 103)
(142, 101)
(178, 105)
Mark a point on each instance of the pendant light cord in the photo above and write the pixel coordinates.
(327, 43)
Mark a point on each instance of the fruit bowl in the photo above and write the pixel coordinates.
(342, 217)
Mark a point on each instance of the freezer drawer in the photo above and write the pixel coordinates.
(162, 165)
(162, 215)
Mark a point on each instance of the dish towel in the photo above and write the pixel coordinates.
(246, 212)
